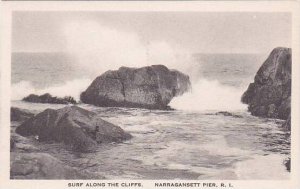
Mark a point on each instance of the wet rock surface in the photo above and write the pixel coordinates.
(44, 166)
(78, 128)
(17, 114)
(151, 87)
(270, 94)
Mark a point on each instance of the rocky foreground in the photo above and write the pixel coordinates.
(151, 87)
(29, 162)
(78, 129)
(270, 93)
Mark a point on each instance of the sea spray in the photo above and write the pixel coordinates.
(209, 95)
(99, 48)
(69, 88)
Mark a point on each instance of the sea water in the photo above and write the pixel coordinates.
(194, 141)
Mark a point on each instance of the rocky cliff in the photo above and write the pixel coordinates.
(270, 93)
(151, 87)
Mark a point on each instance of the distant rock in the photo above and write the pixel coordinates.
(76, 127)
(44, 166)
(47, 98)
(270, 94)
(17, 114)
(224, 113)
(151, 87)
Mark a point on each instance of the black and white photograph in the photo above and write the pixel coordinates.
(151, 95)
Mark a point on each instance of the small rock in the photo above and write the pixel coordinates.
(47, 98)
(224, 113)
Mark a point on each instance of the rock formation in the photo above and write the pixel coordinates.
(44, 166)
(17, 114)
(270, 94)
(47, 98)
(74, 126)
(151, 87)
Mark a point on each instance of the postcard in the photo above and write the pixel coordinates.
(150, 95)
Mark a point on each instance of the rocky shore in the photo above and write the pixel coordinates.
(270, 93)
(78, 129)
(151, 87)
(29, 162)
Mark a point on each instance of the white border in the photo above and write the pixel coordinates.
(205, 6)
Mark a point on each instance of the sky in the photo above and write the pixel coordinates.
(195, 32)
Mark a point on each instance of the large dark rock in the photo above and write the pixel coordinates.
(74, 126)
(17, 114)
(44, 166)
(47, 98)
(151, 87)
(270, 94)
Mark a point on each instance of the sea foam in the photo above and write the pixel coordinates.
(69, 88)
(209, 95)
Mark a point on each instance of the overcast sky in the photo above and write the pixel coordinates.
(194, 31)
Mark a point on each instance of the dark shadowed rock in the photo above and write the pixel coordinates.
(151, 87)
(44, 166)
(74, 126)
(12, 144)
(270, 94)
(287, 164)
(47, 98)
(224, 113)
(19, 143)
(17, 114)
(287, 124)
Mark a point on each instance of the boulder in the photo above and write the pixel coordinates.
(151, 87)
(47, 98)
(17, 114)
(270, 93)
(76, 127)
(44, 166)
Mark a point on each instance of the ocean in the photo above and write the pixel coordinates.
(195, 141)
